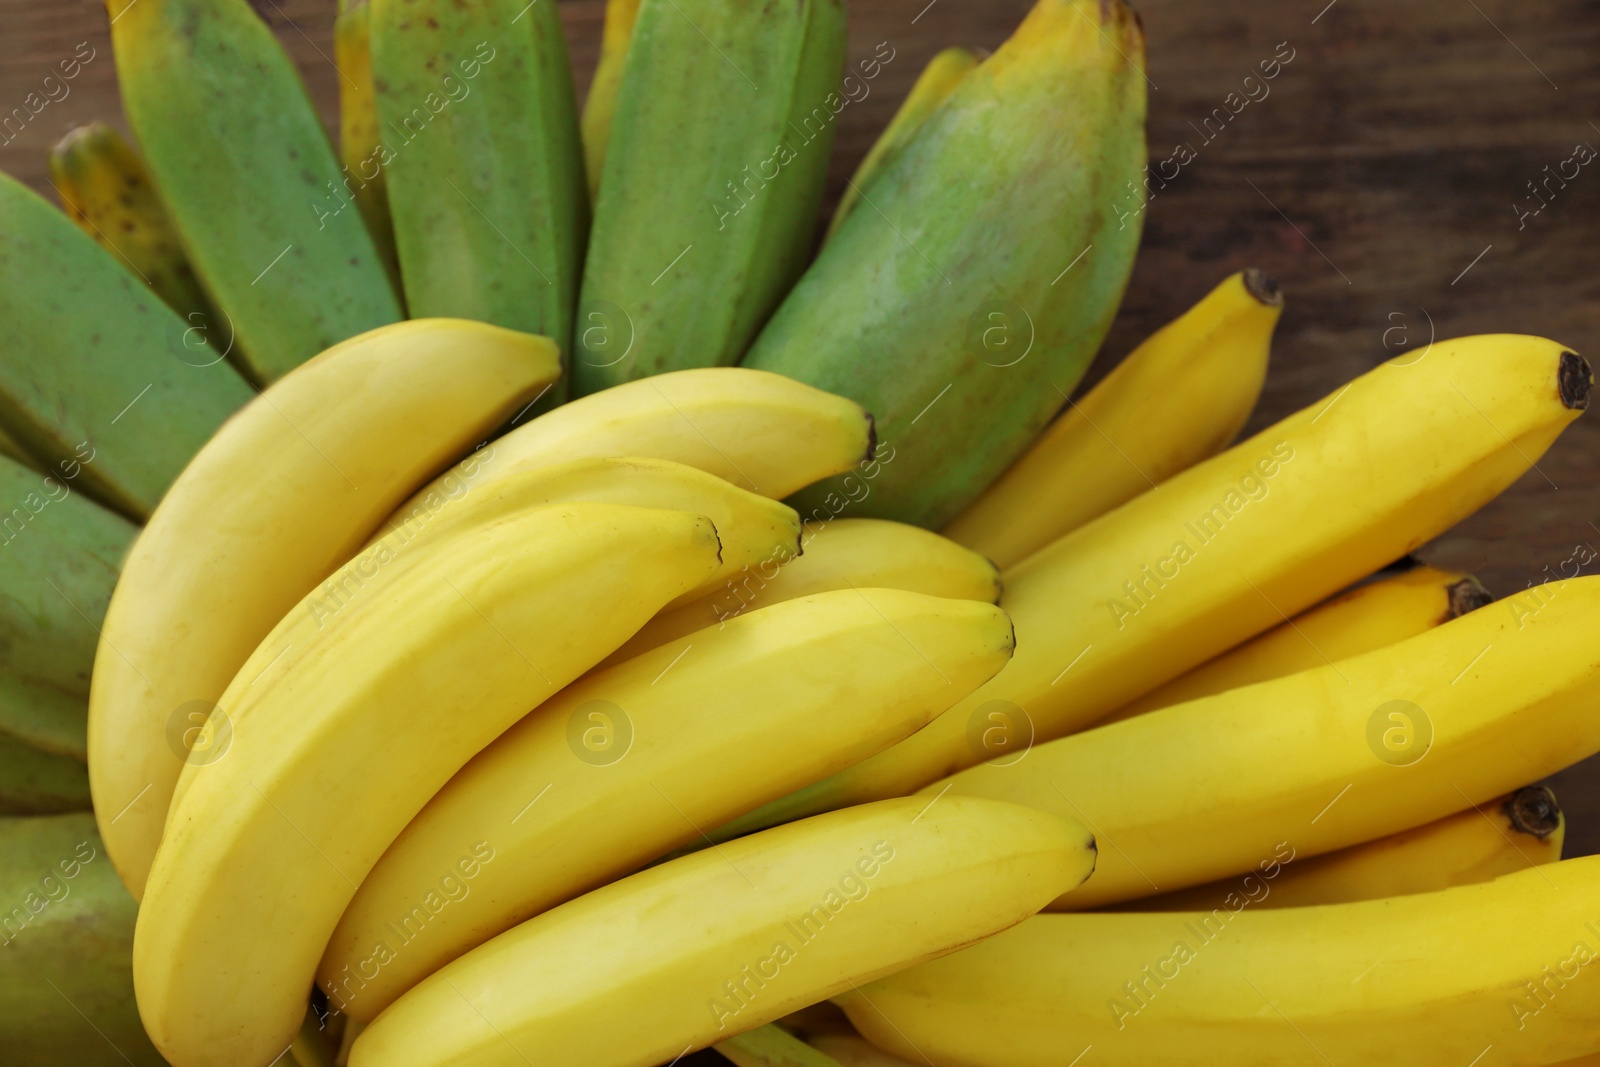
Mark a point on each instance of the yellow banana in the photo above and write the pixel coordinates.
(361, 148)
(936, 82)
(1506, 835)
(1365, 618)
(761, 431)
(1324, 759)
(1180, 397)
(1490, 972)
(710, 945)
(843, 554)
(601, 106)
(315, 765)
(233, 546)
(1237, 544)
(617, 769)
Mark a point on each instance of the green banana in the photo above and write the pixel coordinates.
(264, 221)
(96, 376)
(986, 262)
(482, 160)
(601, 106)
(358, 129)
(35, 782)
(66, 943)
(771, 1046)
(714, 169)
(105, 189)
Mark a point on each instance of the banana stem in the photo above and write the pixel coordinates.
(772, 1046)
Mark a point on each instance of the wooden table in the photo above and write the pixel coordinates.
(1379, 181)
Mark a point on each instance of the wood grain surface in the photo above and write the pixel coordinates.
(1380, 181)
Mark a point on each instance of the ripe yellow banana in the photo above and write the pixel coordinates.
(1489, 971)
(340, 731)
(762, 432)
(359, 140)
(601, 106)
(233, 546)
(707, 946)
(1239, 543)
(933, 86)
(1365, 618)
(843, 554)
(1327, 758)
(1506, 835)
(1180, 397)
(625, 765)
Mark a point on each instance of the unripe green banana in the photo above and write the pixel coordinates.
(482, 160)
(714, 168)
(601, 106)
(965, 297)
(66, 943)
(97, 378)
(35, 782)
(358, 129)
(267, 220)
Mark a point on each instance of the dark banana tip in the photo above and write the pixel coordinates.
(1575, 380)
(1533, 810)
(872, 437)
(1264, 287)
(1468, 595)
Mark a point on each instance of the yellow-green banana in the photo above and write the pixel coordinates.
(937, 81)
(772, 1046)
(482, 161)
(97, 379)
(105, 189)
(1238, 543)
(359, 138)
(1365, 618)
(843, 554)
(710, 945)
(626, 764)
(336, 732)
(965, 297)
(267, 221)
(1508, 834)
(1492, 972)
(601, 106)
(234, 547)
(66, 935)
(1320, 760)
(1180, 397)
(36, 782)
(715, 161)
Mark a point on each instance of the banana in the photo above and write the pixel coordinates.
(601, 107)
(336, 732)
(105, 189)
(482, 161)
(66, 933)
(1239, 543)
(96, 379)
(12, 449)
(1506, 835)
(359, 142)
(264, 221)
(843, 554)
(715, 161)
(59, 557)
(996, 248)
(1430, 980)
(850, 1049)
(711, 945)
(1365, 618)
(612, 772)
(1180, 397)
(762, 432)
(937, 81)
(752, 528)
(36, 782)
(231, 549)
(1324, 759)
(772, 1046)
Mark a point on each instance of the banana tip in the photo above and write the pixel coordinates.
(1264, 287)
(1575, 380)
(872, 437)
(1468, 595)
(1533, 810)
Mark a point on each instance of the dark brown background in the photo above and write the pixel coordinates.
(1387, 157)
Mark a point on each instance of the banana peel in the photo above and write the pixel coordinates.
(601, 105)
(358, 129)
(35, 782)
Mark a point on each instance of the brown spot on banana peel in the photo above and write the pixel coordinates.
(1575, 380)
(1533, 810)
(1468, 595)
(1263, 287)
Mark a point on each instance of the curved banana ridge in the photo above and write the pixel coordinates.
(1233, 546)
(1421, 981)
(626, 764)
(234, 546)
(693, 951)
(1323, 759)
(337, 731)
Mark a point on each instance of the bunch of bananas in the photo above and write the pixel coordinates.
(483, 579)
